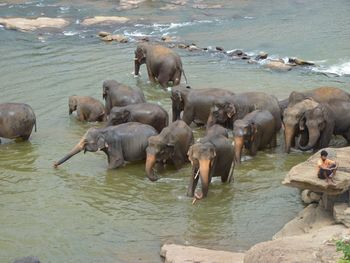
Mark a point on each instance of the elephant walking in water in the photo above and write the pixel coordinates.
(16, 121)
(171, 145)
(124, 142)
(88, 108)
(163, 64)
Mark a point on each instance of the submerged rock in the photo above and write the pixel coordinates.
(179, 254)
(26, 24)
(277, 65)
(118, 38)
(105, 20)
(304, 175)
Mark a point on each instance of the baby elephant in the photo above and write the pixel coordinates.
(211, 156)
(88, 108)
(146, 113)
(171, 145)
(16, 120)
(255, 131)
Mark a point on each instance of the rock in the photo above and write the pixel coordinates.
(261, 55)
(300, 62)
(168, 38)
(143, 39)
(221, 49)
(304, 175)
(193, 47)
(169, 7)
(25, 24)
(129, 4)
(341, 213)
(277, 65)
(179, 254)
(105, 20)
(310, 219)
(309, 197)
(318, 246)
(206, 6)
(104, 34)
(183, 46)
(118, 38)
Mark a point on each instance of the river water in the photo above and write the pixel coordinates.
(83, 212)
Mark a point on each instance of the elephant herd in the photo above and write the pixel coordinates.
(137, 130)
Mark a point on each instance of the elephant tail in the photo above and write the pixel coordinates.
(35, 126)
(183, 72)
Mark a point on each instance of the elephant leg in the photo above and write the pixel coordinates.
(188, 115)
(273, 143)
(115, 159)
(193, 185)
(151, 77)
(80, 115)
(163, 80)
(347, 136)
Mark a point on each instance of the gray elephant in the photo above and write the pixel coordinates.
(124, 142)
(216, 129)
(321, 95)
(117, 94)
(171, 145)
(291, 119)
(16, 121)
(231, 108)
(146, 113)
(322, 122)
(163, 64)
(88, 108)
(195, 103)
(256, 131)
(211, 156)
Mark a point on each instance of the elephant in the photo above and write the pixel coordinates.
(124, 142)
(195, 103)
(231, 108)
(321, 95)
(323, 121)
(117, 94)
(291, 118)
(16, 121)
(171, 145)
(163, 64)
(211, 156)
(146, 113)
(255, 131)
(216, 129)
(88, 108)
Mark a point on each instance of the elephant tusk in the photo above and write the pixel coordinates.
(195, 177)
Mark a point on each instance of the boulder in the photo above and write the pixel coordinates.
(318, 246)
(341, 213)
(300, 62)
(277, 65)
(309, 197)
(304, 175)
(103, 34)
(105, 20)
(178, 254)
(26, 24)
(118, 38)
(310, 219)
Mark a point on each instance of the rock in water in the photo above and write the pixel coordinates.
(104, 20)
(25, 24)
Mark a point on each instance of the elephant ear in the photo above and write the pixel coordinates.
(230, 109)
(101, 143)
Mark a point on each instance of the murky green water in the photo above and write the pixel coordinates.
(82, 212)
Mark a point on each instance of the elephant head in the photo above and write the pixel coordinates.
(140, 57)
(92, 141)
(72, 103)
(157, 151)
(118, 115)
(244, 133)
(221, 113)
(317, 121)
(178, 94)
(202, 157)
(291, 119)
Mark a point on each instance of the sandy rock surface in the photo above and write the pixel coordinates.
(179, 254)
(304, 175)
(104, 20)
(341, 213)
(25, 24)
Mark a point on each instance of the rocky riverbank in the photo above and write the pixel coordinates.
(310, 237)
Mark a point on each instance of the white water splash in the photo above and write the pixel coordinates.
(342, 69)
(70, 33)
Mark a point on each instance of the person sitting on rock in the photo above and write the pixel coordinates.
(326, 168)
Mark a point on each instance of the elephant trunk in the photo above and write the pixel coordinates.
(137, 67)
(150, 162)
(77, 149)
(204, 171)
(289, 133)
(239, 141)
(314, 135)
